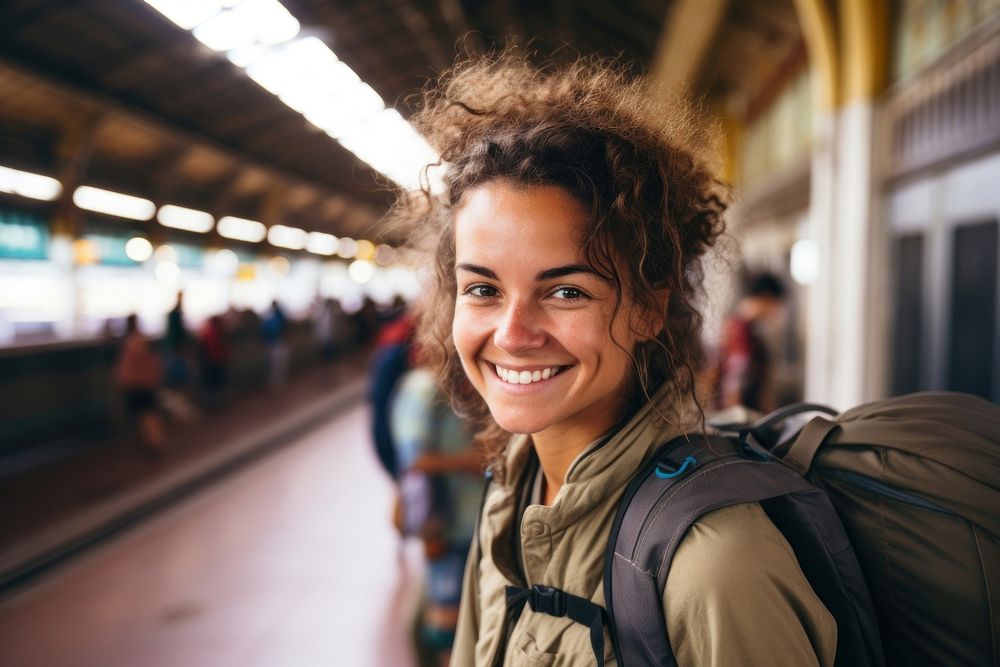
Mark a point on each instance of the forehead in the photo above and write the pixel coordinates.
(512, 222)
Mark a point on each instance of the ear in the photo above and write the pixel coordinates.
(650, 321)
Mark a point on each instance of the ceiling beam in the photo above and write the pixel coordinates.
(640, 36)
(688, 33)
(100, 100)
(423, 34)
(74, 151)
(461, 30)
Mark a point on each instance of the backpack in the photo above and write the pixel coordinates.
(892, 509)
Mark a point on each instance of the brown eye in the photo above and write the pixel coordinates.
(568, 293)
(481, 291)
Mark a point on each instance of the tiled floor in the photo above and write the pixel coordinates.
(291, 562)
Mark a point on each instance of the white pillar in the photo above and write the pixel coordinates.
(822, 218)
(843, 324)
(851, 256)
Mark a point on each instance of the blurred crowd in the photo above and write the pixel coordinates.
(194, 370)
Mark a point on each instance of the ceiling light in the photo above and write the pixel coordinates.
(27, 184)
(279, 265)
(361, 271)
(138, 249)
(247, 23)
(186, 13)
(347, 248)
(303, 66)
(166, 253)
(168, 272)
(390, 144)
(224, 262)
(384, 254)
(187, 219)
(319, 243)
(261, 36)
(292, 238)
(365, 250)
(113, 203)
(804, 261)
(241, 229)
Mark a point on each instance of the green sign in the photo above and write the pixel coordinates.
(188, 255)
(111, 249)
(23, 235)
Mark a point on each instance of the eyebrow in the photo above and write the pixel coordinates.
(480, 270)
(547, 274)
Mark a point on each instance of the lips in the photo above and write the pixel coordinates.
(513, 376)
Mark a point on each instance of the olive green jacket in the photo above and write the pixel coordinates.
(735, 594)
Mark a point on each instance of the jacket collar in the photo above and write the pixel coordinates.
(607, 464)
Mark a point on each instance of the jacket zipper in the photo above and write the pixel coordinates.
(509, 620)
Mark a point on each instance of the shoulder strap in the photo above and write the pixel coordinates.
(694, 474)
(806, 445)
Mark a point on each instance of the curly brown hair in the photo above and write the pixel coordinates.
(635, 162)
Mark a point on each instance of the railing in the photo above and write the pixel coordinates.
(949, 111)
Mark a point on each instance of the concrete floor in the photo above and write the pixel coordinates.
(290, 562)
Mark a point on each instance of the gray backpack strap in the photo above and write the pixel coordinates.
(691, 476)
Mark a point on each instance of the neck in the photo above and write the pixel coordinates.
(558, 445)
(555, 457)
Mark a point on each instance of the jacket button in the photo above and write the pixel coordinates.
(538, 529)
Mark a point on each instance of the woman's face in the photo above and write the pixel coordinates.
(531, 317)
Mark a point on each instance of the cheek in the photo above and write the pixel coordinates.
(466, 333)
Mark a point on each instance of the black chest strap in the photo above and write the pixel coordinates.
(554, 602)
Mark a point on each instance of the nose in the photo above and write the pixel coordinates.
(519, 329)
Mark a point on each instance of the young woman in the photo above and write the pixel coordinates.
(569, 235)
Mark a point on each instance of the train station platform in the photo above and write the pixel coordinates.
(271, 545)
(60, 507)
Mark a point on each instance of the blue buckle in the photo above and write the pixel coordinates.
(666, 473)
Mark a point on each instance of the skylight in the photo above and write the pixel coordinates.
(263, 37)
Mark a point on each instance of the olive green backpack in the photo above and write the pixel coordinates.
(916, 481)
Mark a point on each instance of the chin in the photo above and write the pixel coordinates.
(518, 424)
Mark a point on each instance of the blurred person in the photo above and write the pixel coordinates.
(568, 236)
(175, 394)
(440, 481)
(177, 341)
(366, 322)
(390, 361)
(213, 352)
(138, 374)
(326, 322)
(274, 329)
(745, 366)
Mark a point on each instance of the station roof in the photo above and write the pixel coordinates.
(112, 93)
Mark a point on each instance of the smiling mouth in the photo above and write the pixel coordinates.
(511, 376)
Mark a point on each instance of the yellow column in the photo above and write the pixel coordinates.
(864, 27)
(820, 34)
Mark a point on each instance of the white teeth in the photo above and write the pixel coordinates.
(525, 377)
